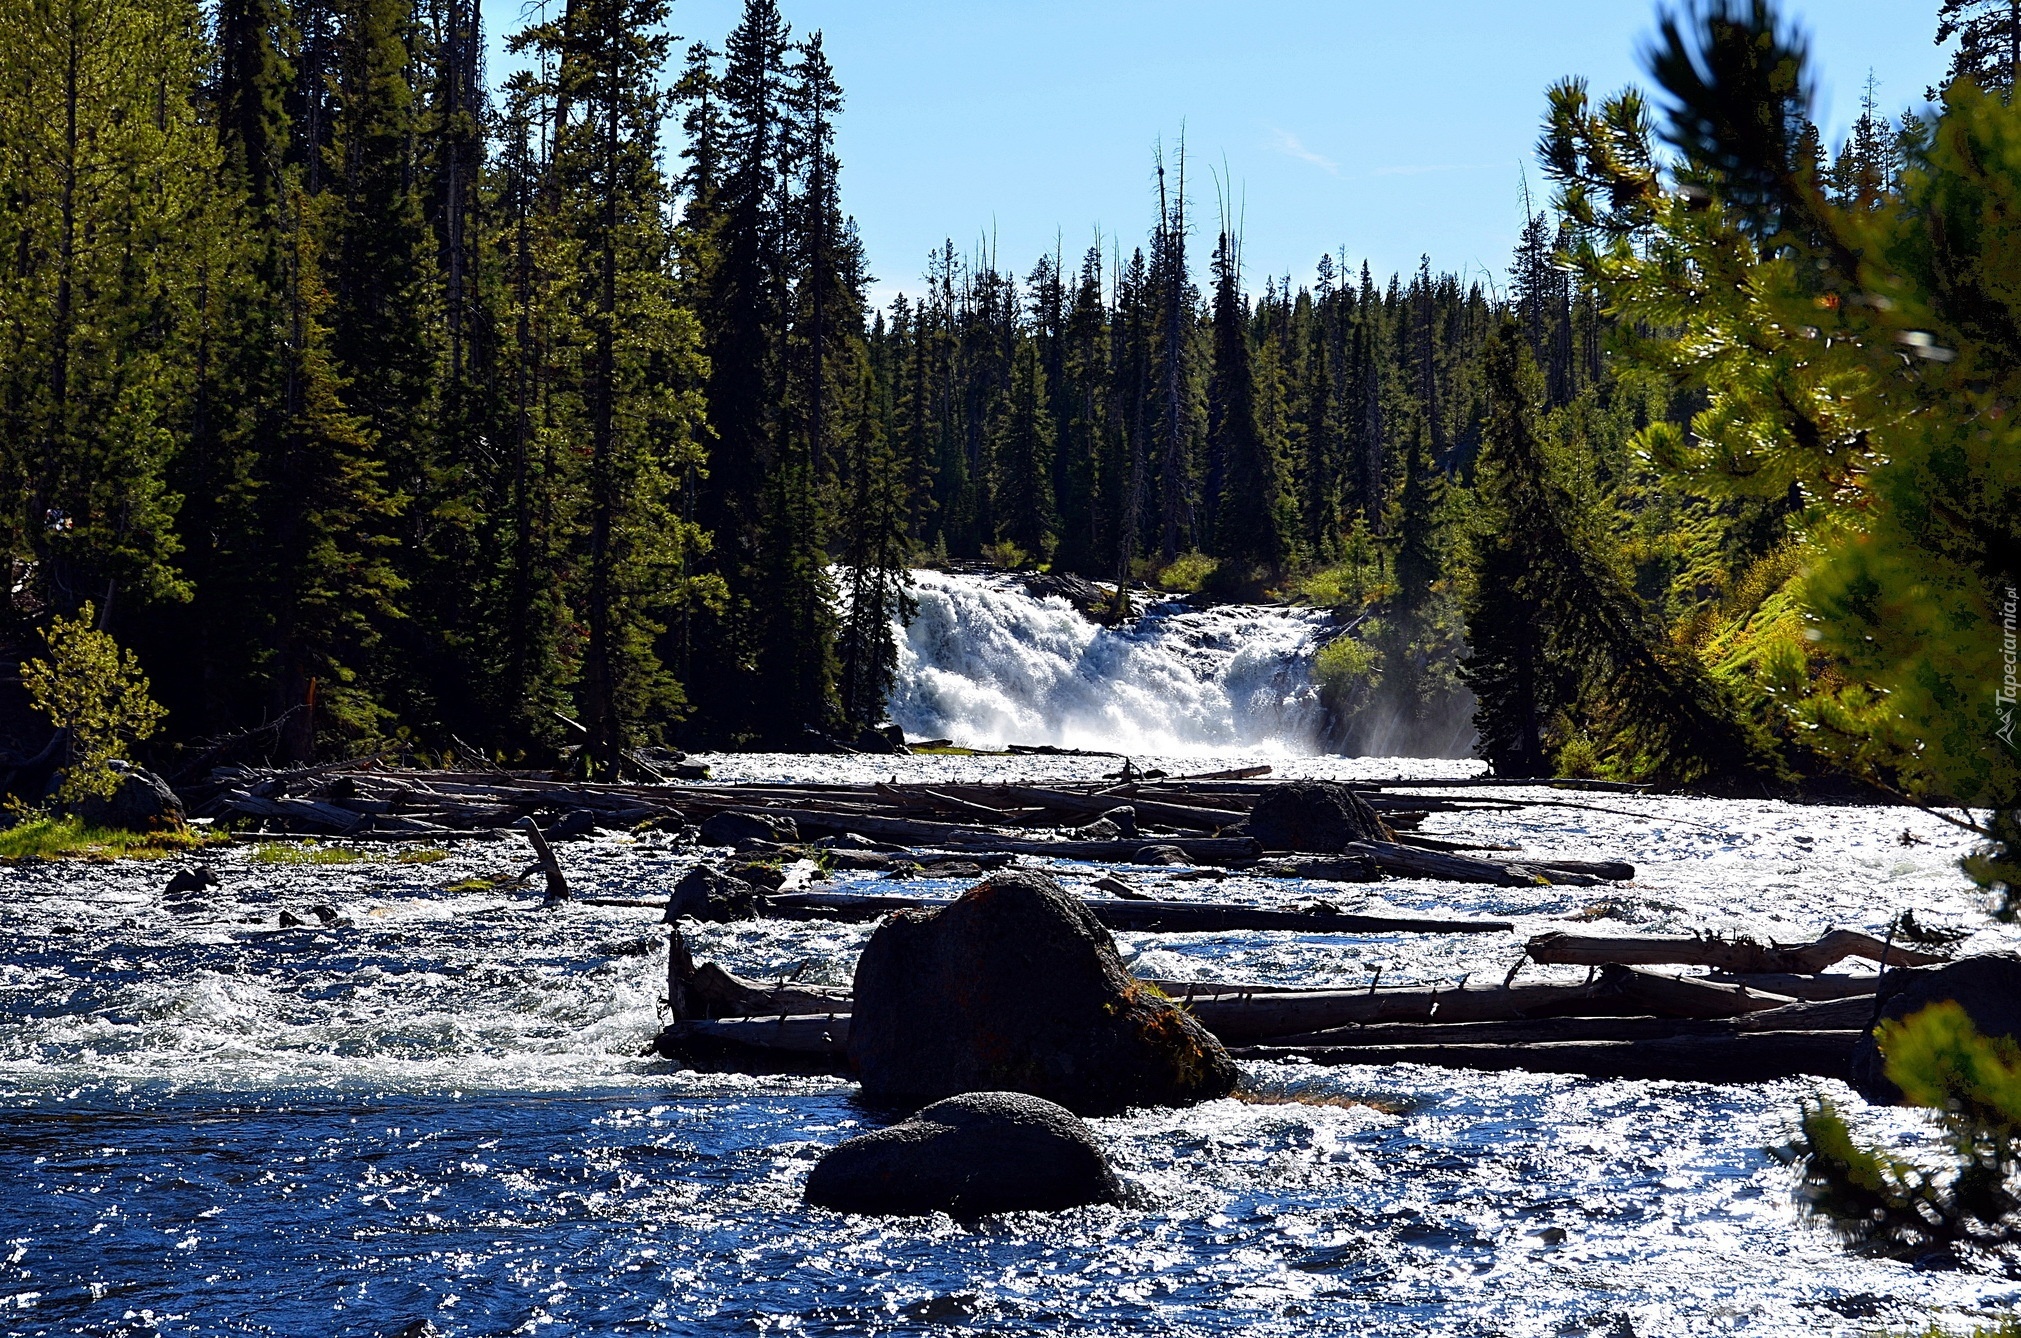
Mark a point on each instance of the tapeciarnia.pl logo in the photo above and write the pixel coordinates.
(2004, 698)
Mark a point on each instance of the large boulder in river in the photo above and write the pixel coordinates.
(1015, 986)
(1316, 816)
(142, 802)
(970, 1155)
(1987, 987)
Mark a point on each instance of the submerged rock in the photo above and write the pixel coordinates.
(730, 828)
(1161, 854)
(1118, 824)
(191, 882)
(970, 1155)
(1016, 986)
(707, 893)
(1320, 816)
(576, 823)
(141, 803)
(1987, 987)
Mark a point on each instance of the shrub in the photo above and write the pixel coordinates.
(1187, 573)
(1877, 1201)
(96, 695)
(1342, 665)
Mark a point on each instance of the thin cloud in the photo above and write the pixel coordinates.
(1289, 144)
(1427, 169)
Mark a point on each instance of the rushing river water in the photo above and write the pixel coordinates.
(434, 1115)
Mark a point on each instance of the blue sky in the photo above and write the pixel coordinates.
(1387, 129)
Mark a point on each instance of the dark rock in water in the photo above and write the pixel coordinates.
(1089, 599)
(577, 822)
(890, 739)
(1348, 869)
(1988, 987)
(1160, 855)
(707, 893)
(141, 803)
(727, 829)
(1016, 986)
(327, 914)
(191, 882)
(1322, 816)
(970, 1155)
(1116, 887)
(858, 859)
(767, 878)
(290, 920)
(851, 841)
(1118, 824)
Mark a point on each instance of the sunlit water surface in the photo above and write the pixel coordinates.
(439, 1112)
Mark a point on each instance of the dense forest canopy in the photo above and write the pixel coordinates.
(375, 403)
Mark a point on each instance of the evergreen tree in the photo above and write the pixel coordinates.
(1175, 378)
(634, 372)
(876, 554)
(1989, 42)
(1242, 483)
(742, 297)
(1022, 456)
(1519, 678)
(104, 209)
(1085, 466)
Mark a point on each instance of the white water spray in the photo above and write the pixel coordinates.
(985, 663)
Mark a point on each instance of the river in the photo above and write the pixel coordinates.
(434, 1115)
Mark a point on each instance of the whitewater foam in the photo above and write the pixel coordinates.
(985, 663)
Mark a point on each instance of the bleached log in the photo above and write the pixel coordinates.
(1745, 1058)
(1741, 956)
(1169, 917)
(550, 867)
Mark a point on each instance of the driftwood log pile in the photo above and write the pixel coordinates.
(1201, 820)
(1755, 1012)
(1623, 1021)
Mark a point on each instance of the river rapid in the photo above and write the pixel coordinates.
(436, 1112)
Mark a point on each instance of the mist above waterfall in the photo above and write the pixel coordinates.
(985, 663)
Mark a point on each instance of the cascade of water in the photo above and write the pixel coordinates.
(986, 663)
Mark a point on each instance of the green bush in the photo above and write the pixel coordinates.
(95, 693)
(1342, 665)
(1188, 573)
(1972, 1086)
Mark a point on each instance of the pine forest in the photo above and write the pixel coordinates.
(374, 403)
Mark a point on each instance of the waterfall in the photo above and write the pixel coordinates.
(987, 663)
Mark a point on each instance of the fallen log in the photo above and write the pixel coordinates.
(550, 867)
(1148, 810)
(1740, 956)
(1855, 1014)
(1204, 850)
(1803, 987)
(1167, 917)
(1320, 869)
(1414, 862)
(1515, 1031)
(321, 817)
(1608, 870)
(815, 1033)
(1760, 1057)
(1619, 991)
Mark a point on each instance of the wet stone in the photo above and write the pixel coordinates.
(1015, 986)
(969, 1156)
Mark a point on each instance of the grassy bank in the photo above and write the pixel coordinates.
(70, 838)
